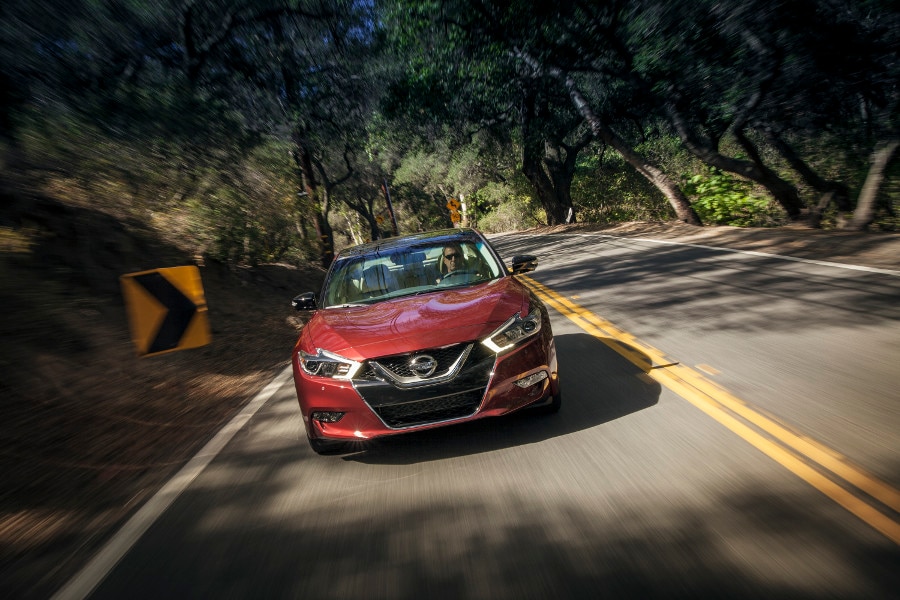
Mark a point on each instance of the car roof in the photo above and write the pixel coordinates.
(441, 236)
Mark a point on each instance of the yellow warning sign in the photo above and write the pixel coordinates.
(166, 309)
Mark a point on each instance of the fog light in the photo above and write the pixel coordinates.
(326, 416)
(532, 379)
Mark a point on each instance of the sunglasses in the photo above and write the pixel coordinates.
(453, 256)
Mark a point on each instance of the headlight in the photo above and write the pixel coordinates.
(328, 364)
(516, 329)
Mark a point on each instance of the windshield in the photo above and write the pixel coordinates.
(405, 271)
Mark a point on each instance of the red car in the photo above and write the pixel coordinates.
(420, 331)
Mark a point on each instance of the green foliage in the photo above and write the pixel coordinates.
(506, 207)
(610, 191)
(418, 211)
(250, 216)
(424, 169)
(514, 214)
(232, 204)
(444, 169)
(722, 199)
(232, 231)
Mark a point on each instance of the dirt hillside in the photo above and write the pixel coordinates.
(89, 430)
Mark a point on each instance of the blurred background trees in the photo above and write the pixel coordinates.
(276, 130)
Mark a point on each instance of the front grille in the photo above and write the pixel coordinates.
(445, 357)
(453, 398)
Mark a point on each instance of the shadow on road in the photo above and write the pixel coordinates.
(704, 289)
(265, 527)
(270, 519)
(599, 386)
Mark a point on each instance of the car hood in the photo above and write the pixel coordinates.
(411, 323)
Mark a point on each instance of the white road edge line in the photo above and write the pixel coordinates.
(86, 580)
(822, 263)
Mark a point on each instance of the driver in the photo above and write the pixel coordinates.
(452, 259)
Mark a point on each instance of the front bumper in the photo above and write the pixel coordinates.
(376, 405)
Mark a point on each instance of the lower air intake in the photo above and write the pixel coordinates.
(431, 410)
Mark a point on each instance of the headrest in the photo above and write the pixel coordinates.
(375, 279)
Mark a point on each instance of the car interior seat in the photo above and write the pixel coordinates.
(377, 281)
(349, 290)
(413, 273)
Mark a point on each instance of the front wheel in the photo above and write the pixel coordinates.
(552, 407)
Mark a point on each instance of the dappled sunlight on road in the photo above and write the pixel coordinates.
(474, 525)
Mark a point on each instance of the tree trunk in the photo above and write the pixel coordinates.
(784, 193)
(310, 186)
(372, 224)
(865, 206)
(326, 237)
(561, 177)
(812, 179)
(677, 200)
(543, 187)
(365, 207)
(561, 165)
(369, 214)
(533, 169)
(550, 184)
(304, 161)
(351, 227)
(832, 191)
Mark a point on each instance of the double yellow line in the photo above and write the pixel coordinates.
(823, 468)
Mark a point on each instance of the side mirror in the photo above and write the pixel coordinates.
(305, 301)
(524, 263)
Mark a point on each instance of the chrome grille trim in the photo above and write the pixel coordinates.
(414, 381)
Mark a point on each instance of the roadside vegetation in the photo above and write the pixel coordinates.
(276, 130)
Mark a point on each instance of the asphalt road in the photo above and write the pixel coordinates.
(730, 428)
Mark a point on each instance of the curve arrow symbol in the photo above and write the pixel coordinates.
(180, 311)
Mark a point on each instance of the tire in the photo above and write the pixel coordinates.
(552, 407)
(326, 447)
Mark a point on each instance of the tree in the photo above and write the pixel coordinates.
(548, 158)
(309, 69)
(865, 208)
(671, 60)
(767, 71)
(546, 43)
(362, 194)
(487, 93)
